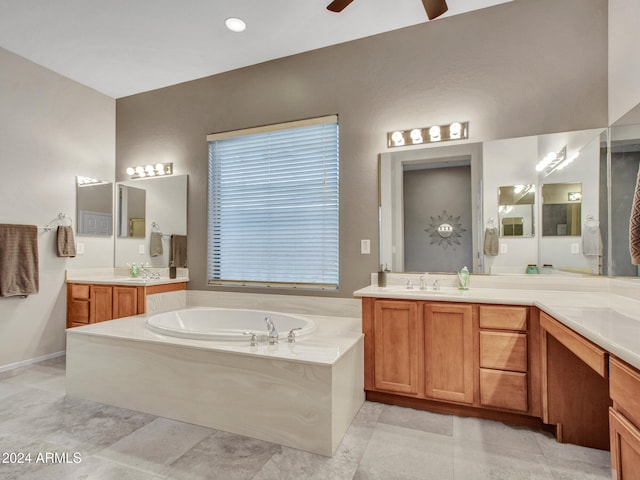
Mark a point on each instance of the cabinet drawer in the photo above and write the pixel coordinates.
(503, 317)
(624, 388)
(502, 350)
(79, 292)
(503, 389)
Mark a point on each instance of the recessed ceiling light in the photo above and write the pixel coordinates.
(235, 24)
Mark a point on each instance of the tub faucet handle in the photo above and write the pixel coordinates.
(254, 338)
(292, 335)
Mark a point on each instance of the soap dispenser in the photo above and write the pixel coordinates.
(134, 270)
(463, 279)
(172, 270)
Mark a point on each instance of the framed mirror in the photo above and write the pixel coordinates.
(132, 206)
(561, 209)
(94, 207)
(516, 210)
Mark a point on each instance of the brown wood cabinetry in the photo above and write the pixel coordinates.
(397, 346)
(624, 420)
(504, 357)
(575, 389)
(480, 360)
(449, 351)
(92, 303)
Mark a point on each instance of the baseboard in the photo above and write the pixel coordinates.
(30, 361)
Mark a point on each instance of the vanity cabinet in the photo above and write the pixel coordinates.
(396, 350)
(504, 357)
(575, 390)
(449, 351)
(93, 303)
(477, 359)
(624, 420)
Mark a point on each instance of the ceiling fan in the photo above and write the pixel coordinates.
(434, 8)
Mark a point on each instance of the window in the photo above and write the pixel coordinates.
(273, 205)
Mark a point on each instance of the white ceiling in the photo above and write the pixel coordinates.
(123, 47)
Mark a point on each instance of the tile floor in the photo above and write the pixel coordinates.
(384, 442)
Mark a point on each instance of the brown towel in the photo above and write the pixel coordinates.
(179, 250)
(155, 244)
(19, 273)
(491, 241)
(66, 242)
(634, 225)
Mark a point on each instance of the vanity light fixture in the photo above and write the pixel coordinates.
(235, 24)
(157, 170)
(555, 161)
(433, 134)
(80, 180)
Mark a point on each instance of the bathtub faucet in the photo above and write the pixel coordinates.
(272, 333)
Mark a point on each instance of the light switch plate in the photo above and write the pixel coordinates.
(575, 248)
(80, 248)
(503, 248)
(141, 249)
(365, 247)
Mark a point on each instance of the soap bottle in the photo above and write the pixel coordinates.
(463, 279)
(172, 270)
(134, 270)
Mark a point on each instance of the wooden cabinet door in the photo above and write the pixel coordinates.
(396, 349)
(625, 447)
(78, 304)
(449, 352)
(125, 301)
(101, 303)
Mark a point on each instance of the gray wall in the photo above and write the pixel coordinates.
(522, 68)
(428, 194)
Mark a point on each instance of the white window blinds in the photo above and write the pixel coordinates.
(273, 205)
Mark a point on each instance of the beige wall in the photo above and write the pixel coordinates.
(51, 129)
(521, 68)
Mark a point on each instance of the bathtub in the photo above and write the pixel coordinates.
(302, 395)
(225, 324)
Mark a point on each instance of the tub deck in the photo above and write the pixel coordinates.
(301, 395)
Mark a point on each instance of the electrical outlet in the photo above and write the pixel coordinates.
(503, 248)
(80, 248)
(365, 247)
(141, 249)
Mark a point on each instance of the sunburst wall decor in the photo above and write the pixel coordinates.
(445, 230)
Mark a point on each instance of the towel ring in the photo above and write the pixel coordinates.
(58, 221)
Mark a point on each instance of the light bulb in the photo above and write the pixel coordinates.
(130, 171)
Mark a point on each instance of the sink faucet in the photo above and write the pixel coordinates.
(436, 285)
(423, 282)
(272, 334)
(409, 283)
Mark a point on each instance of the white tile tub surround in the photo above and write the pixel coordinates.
(163, 302)
(301, 395)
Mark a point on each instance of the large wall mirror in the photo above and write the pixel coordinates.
(510, 168)
(94, 207)
(156, 205)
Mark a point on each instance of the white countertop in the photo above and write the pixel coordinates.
(119, 276)
(610, 321)
(138, 281)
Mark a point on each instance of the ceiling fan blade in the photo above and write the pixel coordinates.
(338, 5)
(434, 8)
